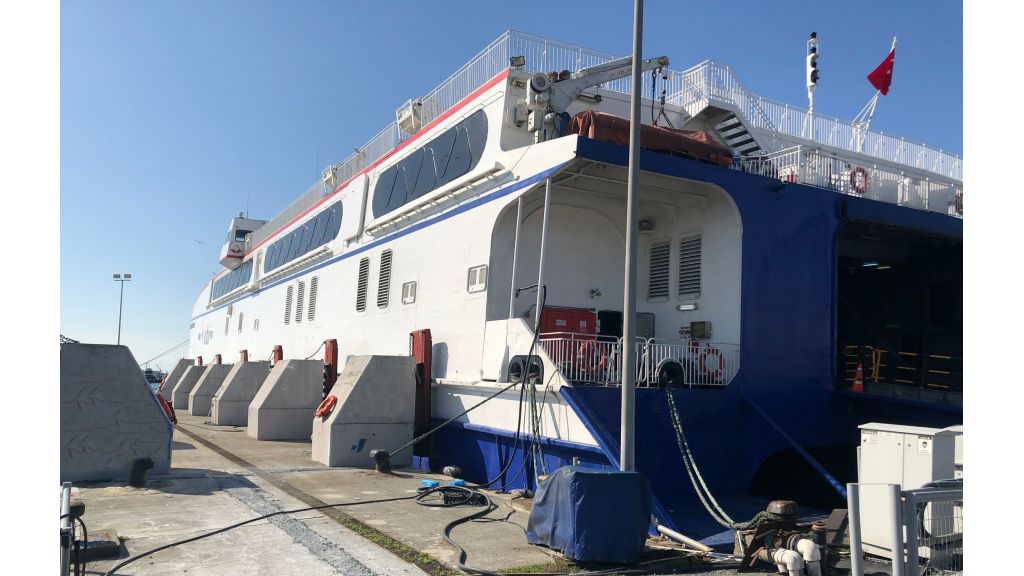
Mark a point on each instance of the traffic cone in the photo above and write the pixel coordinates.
(858, 379)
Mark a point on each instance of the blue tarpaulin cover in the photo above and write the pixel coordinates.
(592, 515)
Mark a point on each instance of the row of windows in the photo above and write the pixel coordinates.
(313, 234)
(448, 156)
(233, 279)
(689, 280)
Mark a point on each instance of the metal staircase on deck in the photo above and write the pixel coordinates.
(737, 137)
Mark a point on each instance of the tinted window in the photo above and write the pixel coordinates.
(232, 280)
(448, 156)
(316, 232)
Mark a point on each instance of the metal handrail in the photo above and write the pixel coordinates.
(690, 89)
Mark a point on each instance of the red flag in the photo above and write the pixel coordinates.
(881, 77)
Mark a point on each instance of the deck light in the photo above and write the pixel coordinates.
(517, 61)
(687, 307)
(122, 278)
(869, 263)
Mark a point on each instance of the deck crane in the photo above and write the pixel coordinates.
(548, 98)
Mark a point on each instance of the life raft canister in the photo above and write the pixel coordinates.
(327, 406)
(859, 180)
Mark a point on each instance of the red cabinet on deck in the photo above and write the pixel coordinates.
(568, 320)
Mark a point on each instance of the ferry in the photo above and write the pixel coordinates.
(798, 275)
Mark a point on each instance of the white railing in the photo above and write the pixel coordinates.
(307, 199)
(692, 89)
(585, 358)
(715, 81)
(798, 164)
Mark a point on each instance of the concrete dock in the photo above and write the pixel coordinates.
(221, 476)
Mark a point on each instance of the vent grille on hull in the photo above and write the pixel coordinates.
(312, 298)
(689, 266)
(364, 276)
(384, 284)
(657, 284)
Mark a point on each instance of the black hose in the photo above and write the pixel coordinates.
(113, 570)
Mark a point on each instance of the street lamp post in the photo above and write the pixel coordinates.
(122, 278)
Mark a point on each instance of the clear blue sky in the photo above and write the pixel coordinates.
(176, 115)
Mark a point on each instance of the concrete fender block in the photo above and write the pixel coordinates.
(179, 396)
(109, 416)
(172, 378)
(199, 399)
(230, 404)
(375, 409)
(283, 407)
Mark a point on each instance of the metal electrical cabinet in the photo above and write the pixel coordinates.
(910, 456)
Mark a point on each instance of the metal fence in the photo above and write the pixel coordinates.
(925, 526)
(712, 80)
(934, 521)
(808, 166)
(590, 359)
(691, 89)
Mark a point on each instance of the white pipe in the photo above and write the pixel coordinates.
(811, 555)
(683, 539)
(853, 511)
(515, 260)
(65, 525)
(540, 263)
(896, 524)
(788, 561)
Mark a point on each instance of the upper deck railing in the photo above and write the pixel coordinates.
(711, 80)
(690, 89)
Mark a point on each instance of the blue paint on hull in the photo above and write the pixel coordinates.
(788, 357)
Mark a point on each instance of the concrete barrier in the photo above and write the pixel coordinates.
(230, 404)
(200, 397)
(375, 409)
(179, 395)
(109, 416)
(283, 408)
(172, 378)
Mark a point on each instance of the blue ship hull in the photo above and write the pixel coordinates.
(787, 375)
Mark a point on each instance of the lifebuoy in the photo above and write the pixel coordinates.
(588, 359)
(167, 408)
(325, 407)
(705, 355)
(859, 180)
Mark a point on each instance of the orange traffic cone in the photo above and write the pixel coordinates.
(858, 379)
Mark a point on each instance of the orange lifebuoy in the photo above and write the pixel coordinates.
(588, 359)
(167, 408)
(859, 180)
(707, 353)
(326, 407)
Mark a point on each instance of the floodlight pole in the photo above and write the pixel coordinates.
(628, 416)
(122, 278)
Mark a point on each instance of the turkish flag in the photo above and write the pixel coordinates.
(881, 77)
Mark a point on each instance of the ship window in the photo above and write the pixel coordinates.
(408, 292)
(298, 302)
(477, 279)
(312, 298)
(384, 280)
(316, 232)
(689, 266)
(449, 156)
(658, 274)
(256, 324)
(240, 235)
(364, 276)
(288, 305)
(232, 280)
